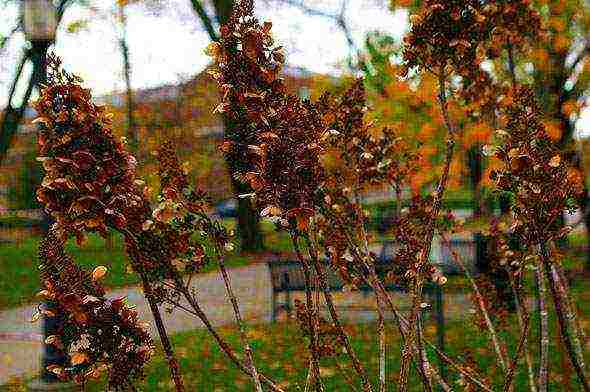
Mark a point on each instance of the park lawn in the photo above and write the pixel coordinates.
(280, 353)
(20, 276)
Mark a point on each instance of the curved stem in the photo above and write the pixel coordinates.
(576, 356)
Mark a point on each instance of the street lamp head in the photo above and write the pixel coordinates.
(39, 21)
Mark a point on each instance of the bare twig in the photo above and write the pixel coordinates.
(482, 306)
(313, 327)
(241, 325)
(225, 347)
(574, 349)
(168, 351)
(382, 348)
(522, 313)
(543, 373)
(323, 281)
(462, 369)
(416, 287)
(514, 363)
(198, 312)
(570, 305)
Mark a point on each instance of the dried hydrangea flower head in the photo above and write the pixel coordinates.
(463, 33)
(272, 136)
(99, 334)
(89, 181)
(543, 184)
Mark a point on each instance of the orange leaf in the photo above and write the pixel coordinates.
(99, 272)
(79, 358)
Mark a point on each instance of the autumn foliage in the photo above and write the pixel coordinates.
(307, 162)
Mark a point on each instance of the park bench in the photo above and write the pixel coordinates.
(287, 276)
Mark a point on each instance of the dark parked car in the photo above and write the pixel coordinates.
(227, 209)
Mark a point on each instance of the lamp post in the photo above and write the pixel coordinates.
(39, 25)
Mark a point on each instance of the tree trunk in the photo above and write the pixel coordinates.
(475, 176)
(131, 128)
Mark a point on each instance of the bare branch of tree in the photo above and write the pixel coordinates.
(338, 18)
(205, 19)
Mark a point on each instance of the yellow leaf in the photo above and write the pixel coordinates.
(44, 294)
(271, 211)
(52, 339)
(99, 272)
(555, 161)
(212, 49)
(514, 152)
(44, 120)
(35, 317)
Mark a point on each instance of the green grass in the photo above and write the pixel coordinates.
(20, 277)
(280, 353)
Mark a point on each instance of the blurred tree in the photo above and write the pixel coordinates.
(122, 23)
(557, 66)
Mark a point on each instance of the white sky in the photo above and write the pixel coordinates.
(168, 46)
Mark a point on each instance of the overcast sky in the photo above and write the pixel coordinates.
(167, 46)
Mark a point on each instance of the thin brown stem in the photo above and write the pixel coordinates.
(514, 363)
(464, 370)
(312, 317)
(198, 312)
(543, 373)
(240, 322)
(522, 313)
(380, 307)
(347, 377)
(225, 346)
(571, 304)
(418, 281)
(323, 281)
(382, 348)
(482, 306)
(168, 351)
(403, 325)
(573, 353)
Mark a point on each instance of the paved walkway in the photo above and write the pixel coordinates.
(20, 340)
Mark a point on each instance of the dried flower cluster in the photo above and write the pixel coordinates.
(461, 34)
(100, 335)
(272, 136)
(541, 183)
(89, 179)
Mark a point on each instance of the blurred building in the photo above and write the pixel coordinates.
(182, 112)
